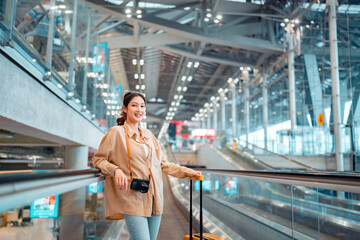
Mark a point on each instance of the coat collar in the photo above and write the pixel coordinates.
(131, 132)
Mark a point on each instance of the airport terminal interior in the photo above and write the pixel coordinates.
(261, 96)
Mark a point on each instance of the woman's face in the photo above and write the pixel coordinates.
(135, 111)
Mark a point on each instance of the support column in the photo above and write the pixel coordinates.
(50, 40)
(265, 110)
(223, 110)
(204, 122)
(72, 204)
(233, 109)
(95, 79)
(87, 49)
(291, 69)
(71, 83)
(208, 118)
(335, 85)
(246, 105)
(215, 121)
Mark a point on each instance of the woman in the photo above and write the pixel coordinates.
(132, 161)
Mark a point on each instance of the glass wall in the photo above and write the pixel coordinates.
(281, 211)
(77, 214)
(72, 58)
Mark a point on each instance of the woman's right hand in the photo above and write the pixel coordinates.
(121, 180)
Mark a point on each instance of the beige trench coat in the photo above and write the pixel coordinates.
(112, 154)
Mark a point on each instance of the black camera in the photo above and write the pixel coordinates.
(140, 185)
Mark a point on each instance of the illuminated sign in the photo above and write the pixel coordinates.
(45, 207)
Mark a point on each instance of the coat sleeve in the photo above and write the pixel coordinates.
(101, 158)
(174, 169)
(170, 168)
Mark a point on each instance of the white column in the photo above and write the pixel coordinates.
(223, 111)
(233, 108)
(265, 110)
(246, 105)
(85, 81)
(208, 118)
(72, 204)
(71, 83)
(50, 40)
(291, 69)
(335, 84)
(215, 120)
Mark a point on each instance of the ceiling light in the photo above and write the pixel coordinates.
(138, 11)
(128, 15)
(229, 80)
(136, 76)
(190, 78)
(216, 21)
(173, 103)
(183, 78)
(142, 87)
(196, 65)
(142, 76)
(219, 17)
(137, 87)
(208, 15)
(141, 61)
(206, 19)
(139, 16)
(184, 89)
(212, 98)
(127, 10)
(220, 90)
(176, 97)
(181, 97)
(286, 20)
(189, 64)
(134, 61)
(177, 104)
(282, 24)
(241, 68)
(179, 88)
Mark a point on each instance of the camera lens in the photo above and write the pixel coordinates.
(144, 187)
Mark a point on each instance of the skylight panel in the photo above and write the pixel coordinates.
(150, 5)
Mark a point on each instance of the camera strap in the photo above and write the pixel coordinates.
(128, 152)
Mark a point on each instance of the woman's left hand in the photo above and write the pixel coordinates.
(197, 174)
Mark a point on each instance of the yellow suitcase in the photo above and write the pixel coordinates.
(201, 235)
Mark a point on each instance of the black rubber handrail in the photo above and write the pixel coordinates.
(335, 178)
(30, 176)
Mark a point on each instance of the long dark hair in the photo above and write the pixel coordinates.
(127, 98)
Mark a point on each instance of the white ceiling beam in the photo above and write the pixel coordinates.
(145, 40)
(197, 34)
(205, 58)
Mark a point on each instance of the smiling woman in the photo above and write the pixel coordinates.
(132, 162)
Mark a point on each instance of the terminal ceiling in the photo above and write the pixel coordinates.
(247, 35)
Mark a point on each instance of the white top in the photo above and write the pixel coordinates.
(146, 147)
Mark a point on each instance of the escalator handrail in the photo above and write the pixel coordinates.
(11, 177)
(275, 154)
(311, 179)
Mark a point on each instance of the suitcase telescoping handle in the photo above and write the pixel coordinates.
(200, 178)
